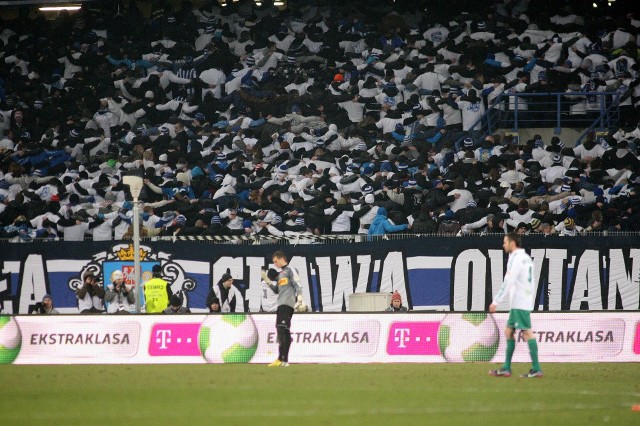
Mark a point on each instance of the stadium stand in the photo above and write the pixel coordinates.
(250, 120)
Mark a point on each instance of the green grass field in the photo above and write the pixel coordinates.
(434, 394)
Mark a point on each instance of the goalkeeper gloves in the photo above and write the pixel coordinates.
(300, 306)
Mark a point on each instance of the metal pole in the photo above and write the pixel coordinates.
(514, 128)
(136, 254)
(558, 116)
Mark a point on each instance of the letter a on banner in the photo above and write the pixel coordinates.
(33, 284)
(587, 284)
(392, 276)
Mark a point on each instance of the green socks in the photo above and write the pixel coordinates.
(511, 346)
(533, 350)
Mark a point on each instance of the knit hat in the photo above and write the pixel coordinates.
(299, 221)
(226, 277)
(396, 296)
(367, 189)
(369, 199)
(175, 300)
(472, 204)
(367, 170)
(116, 275)
(569, 223)
(556, 159)
(535, 224)
(46, 296)
(468, 143)
(385, 166)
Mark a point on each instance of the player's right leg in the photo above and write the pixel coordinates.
(528, 335)
(286, 333)
(505, 370)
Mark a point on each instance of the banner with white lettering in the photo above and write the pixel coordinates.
(316, 338)
(444, 274)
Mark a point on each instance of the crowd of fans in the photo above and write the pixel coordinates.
(249, 120)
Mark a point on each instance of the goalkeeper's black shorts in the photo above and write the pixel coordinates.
(283, 316)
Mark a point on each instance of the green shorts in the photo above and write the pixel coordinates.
(519, 319)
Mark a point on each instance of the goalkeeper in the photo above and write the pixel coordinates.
(289, 297)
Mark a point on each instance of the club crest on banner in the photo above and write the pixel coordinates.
(121, 258)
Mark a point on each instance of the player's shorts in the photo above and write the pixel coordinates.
(283, 316)
(519, 319)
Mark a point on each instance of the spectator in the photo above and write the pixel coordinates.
(396, 303)
(382, 226)
(380, 111)
(46, 306)
(213, 303)
(269, 297)
(225, 292)
(119, 295)
(91, 295)
(157, 292)
(175, 306)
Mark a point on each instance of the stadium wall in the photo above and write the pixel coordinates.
(439, 273)
(317, 338)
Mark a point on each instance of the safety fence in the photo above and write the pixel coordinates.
(592, 111)
(309, 238)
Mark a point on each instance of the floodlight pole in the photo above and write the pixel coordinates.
(135, 186)
(136, 253)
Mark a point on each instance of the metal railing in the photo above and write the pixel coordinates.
(593, 111)
(328, 238)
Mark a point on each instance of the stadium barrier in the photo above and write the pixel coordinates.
(591, 111)
(317, 338)
(441, 274)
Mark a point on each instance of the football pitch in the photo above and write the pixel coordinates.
(341, 394)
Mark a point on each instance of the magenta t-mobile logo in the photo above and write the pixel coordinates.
(174, 340)
(413, 338)
(636, 344)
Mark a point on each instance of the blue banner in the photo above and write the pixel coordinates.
(450, 274)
